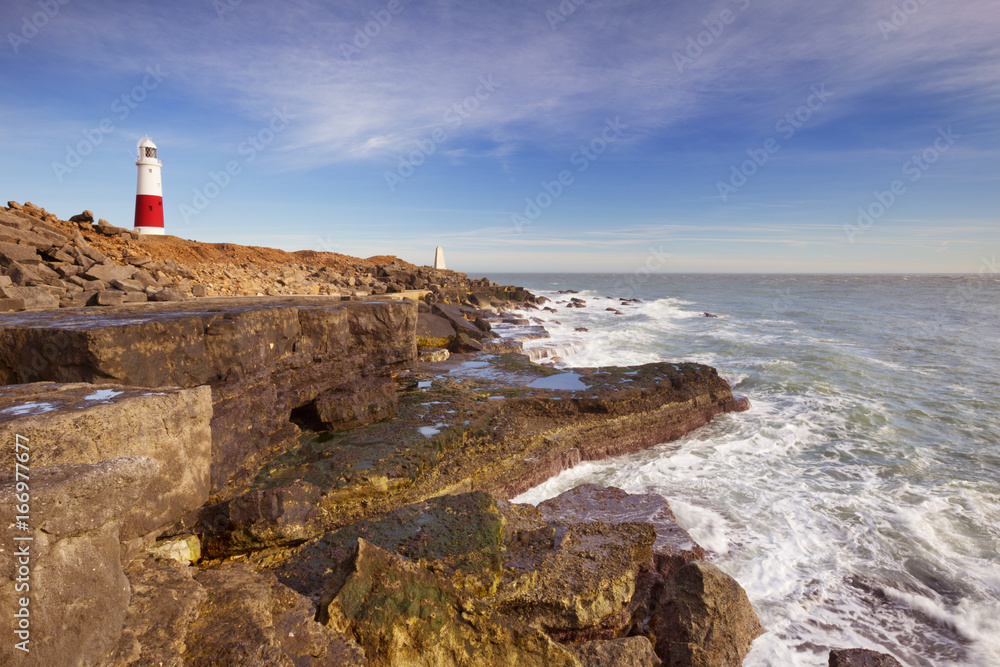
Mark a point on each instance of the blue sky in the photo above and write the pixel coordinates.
(560, 135)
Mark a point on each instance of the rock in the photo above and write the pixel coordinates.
(458, 321)
(5, 281)
(80, 423)
(106, 228)
(13, 305)
(367, 402)
(13, 235)
(185, 549)
(626, 652)
(457, 536)
(434, 330)
(263, 357)
(24, 254)
(127, 285)
(673, 548)
(109, 298)
(228, 615)
(168, 294)
(79, 592)
(465, 343)
(135, 297)
(402, 614)
(35, 298)
(165, 601)
(261, 518)
(427, 355)
(138, 260)
(575, 580)
(704, 619)
(108, 272)
(709, 315)
(199, 291)
(859, 657)
(86, 216)
(480, 300)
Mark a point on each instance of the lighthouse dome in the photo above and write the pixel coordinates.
(147, 152)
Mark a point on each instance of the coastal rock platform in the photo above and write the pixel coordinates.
(267, 360)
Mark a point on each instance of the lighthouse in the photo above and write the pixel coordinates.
(148, 191)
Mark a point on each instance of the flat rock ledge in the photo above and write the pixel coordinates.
(266, 360)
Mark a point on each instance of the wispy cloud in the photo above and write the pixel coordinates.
(610, 57)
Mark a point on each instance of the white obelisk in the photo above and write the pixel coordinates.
(439, 258)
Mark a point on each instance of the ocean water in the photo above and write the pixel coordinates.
(858, 501)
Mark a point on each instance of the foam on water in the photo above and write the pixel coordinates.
(858, 502)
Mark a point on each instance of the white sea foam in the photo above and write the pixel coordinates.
(858, 502)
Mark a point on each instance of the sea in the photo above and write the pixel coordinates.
(858, 501)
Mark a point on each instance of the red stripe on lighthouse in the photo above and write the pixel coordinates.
(148, 211)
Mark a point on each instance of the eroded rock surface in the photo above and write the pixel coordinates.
(230, 615)
(403, 614)
(81, 423)
(704, 619)
(72, 576)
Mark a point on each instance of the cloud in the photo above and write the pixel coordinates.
(370, 96)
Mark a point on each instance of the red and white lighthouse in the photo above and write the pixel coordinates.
(148, 191)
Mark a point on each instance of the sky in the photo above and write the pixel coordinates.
(553, 135)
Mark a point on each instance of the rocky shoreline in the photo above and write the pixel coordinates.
(321, 475)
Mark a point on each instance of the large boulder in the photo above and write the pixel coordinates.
(575, 580)
(68, 576)
(673, 548)
(81, 423)
(434, 330)
(403, 614)
(860, 657)
(454, 315)
(704, 619)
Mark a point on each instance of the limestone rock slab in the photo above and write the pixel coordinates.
(81, 423)
(77, 588)
(263, 357)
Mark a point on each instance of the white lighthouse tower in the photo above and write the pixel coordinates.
(148, 191)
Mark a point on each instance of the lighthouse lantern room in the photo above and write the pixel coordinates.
(148, 192)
